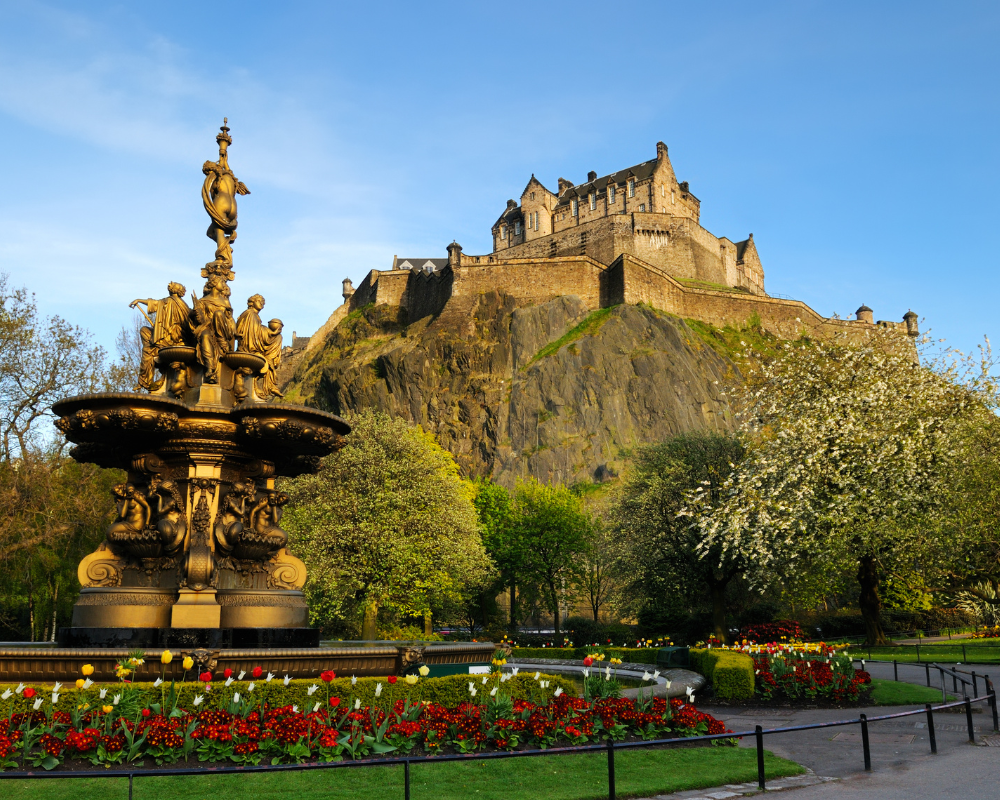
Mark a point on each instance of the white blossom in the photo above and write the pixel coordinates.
(312, 690)
(378, 689)
(199, 699)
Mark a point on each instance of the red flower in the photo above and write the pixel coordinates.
(257, 672)
(588, 661)
(145, 712)
(327, 675)
(334, 702)
(29, 693)
(391, 679)
(206, 677)
(227, 673)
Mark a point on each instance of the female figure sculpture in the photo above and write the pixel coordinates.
(218, 194)
(171, 517)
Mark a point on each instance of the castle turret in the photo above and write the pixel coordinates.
(911, 323)
(348, 290)
(865, 314)
(454, 255)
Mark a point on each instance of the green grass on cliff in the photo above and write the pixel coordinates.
(739, 342)
(590, 325)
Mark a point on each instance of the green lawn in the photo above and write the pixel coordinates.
(572, 777)
(898, 693)
(976, 652)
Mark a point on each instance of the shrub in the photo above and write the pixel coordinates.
(783, 630)
(731, 674)
(635, 655)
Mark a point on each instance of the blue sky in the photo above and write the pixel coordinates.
(857, 141)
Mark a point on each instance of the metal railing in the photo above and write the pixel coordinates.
(609, 748)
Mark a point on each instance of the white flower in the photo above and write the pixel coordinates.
(378, 690)
(514, 670)
(55, 698)
(692, 699)
(558, 691)
(357, 703)
(38, 704)
(586, 672)
(295, 709)
(57, 687)
(198, 700)
(116, 700)
(667, 684)
(103, 693)
(270, 677)
(6, 695)
(287, 680)
(537, 674)
(236, 697)
(250, 688)
(493, 691)
(312, 690)
(484, 680)
(316, 708)
(607, 672)
(472, 691)
(656, 674)
(646, 676)
(471, 686)
(242, 673)
(354, 680)
(545, 684)
(156, 683)
(229, 681)
(87, 683)
(19, 689)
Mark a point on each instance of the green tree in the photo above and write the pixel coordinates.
(659, 548)
(387, 523)
(556, 534)
(501, 537)
(852, 448)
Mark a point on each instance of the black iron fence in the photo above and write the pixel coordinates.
(609, 749)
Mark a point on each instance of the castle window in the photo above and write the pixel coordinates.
(593, 201)
(532, 195)
(503, 231)
(642, 206)
(517, 228)
(631, 187)
(673, 197)
(576, 207)
(611, 194)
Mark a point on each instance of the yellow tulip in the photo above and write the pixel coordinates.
(107, 709)
(87, 670)
(79, 683)
(188, 662)
(424, 671)
(166, 657)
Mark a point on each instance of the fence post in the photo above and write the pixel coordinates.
(930, 728)
(918, 655)
(611, 769)
(944, 693)
(968, 719)
(759, 732)
(954, 682)
(130, 786)
(406, 779)
(975, 685)
(869, 652)
(926, 667)
(864, 743)
(993, 702)
(895, 670)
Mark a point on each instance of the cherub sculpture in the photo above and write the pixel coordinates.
(171, 520)
(233, 515)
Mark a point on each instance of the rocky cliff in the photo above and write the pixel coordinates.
(556, 391)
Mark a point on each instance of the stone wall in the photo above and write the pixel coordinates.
(533, 279)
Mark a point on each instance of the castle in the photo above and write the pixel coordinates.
(629, 237)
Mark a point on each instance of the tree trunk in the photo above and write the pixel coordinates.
(428, 624)
(718, 592)
(369, 628)
(55, 604)
(870, 602)
(513, 608)
(555, 613)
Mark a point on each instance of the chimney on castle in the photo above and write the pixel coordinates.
(348, 290)
(454, 255)
(661, 151)
(564, 185)
(910, 319)
(865, 314)
(511, 204)
(591, 176)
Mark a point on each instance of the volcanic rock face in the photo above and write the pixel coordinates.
(555, 391)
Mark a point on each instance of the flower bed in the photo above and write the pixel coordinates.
(243, 722)
(987, 633)
(632, 655)
(785, 630)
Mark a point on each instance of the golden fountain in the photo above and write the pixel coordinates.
(196, 559)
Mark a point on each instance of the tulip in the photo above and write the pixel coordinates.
(295, 709)
(236, 697)
(250, 687)
(55, 698)
(205, 677)
(411, 679)
(357, 703)
(38, 704)
(537, 675)
(335, 701)
(424, 671)
(312, 690)
(103, 693)
(146, 712)
(493, 692)
(88, 683)
(227, 673)
(166, 657)
(514, 671)
(87, 669)
(588, 661)
(316, 707)
(472, 691)
(392, 679)
(287, 680)
(187, 663)
(656, 673)
(79, 684)
(6, 695)
(378, 689)
(198, 700)
(229, 681)
(646, 676)
(242, 673)
(270, 677)
(29, 693)
(558, 691)
(107, 709)
(117, 698)
(257, 672)
(353, 680)
(157, 682)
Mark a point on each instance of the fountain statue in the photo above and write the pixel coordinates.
(196, 554)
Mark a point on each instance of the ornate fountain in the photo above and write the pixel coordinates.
(196, 560)
(196, 554)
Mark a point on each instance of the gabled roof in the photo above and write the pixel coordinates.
(536, 182)
(741, 247)
(509, 216)
(640, 172)
(424, 264)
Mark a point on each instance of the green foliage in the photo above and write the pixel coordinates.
(590, 325)
(731, 674)
(634, 655)
(448, 691)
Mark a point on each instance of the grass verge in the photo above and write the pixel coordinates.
(584, 776)
(590, 325)
(898, 693)
(944, 653)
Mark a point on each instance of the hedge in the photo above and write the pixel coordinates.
(730, 673)
(448, 691)
(634, 655)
